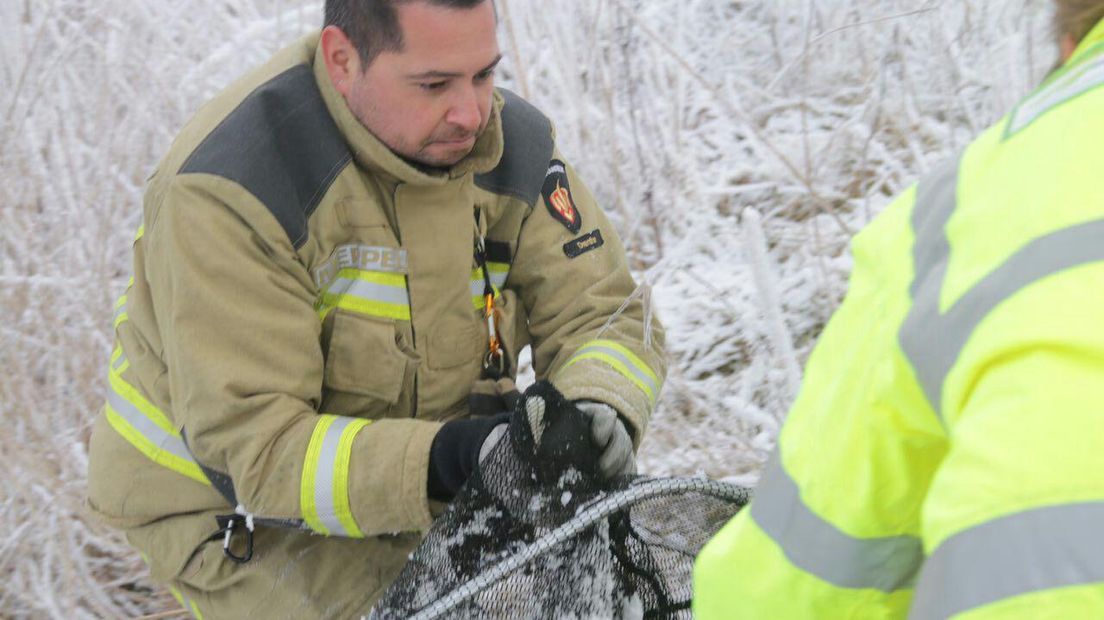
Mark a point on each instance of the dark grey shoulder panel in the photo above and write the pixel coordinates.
(281, 145)
(527, 135)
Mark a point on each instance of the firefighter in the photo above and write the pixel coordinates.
(340, 258)
(943, 458)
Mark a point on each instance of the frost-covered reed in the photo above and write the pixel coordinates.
(736, 144)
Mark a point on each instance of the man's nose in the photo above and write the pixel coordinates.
(464, 111)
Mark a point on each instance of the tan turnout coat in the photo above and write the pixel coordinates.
(304, 315)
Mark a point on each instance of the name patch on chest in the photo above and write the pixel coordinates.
(361, 258)
(590, 241)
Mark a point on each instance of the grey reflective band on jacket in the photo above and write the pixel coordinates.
(120, 311)
(932, 340)
(1076, 81)
(498, 280)
(816, 546)
(930, 357)
(369, 291)
(633, 366)
(1040, 549)
(324, 477)
(146, 427)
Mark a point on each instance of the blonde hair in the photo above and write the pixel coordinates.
(1077, 17)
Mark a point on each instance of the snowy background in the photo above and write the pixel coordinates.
(736, 144)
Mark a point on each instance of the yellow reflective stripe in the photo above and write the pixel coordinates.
(366, 292)
(497, 272)
(120, 310)
(324, 486)
(396, 280)
(115, 355)
(132, 396)
(636, 361)
(141, 232)
(152, 451)
(477, 300)
(185, 602)
(341, 478)
(621, 359)
(145, 426)
(363, 306)
(310, 468)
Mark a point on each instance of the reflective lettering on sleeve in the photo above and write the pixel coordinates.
(148, 429)
(324, 490)
(498, 273)
(623, 361)
(367, 292)
(1072, 82)
(1040, 549)
(820, 548)
(933, 357)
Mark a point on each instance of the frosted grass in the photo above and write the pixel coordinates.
(737, 146)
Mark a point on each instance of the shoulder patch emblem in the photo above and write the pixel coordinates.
(557, 197)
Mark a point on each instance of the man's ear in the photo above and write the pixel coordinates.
(1066, 46)
(341, 57)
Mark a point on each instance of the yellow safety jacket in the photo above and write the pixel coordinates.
(306, 310)
(945, 457)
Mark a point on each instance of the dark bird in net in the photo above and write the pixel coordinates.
(537, 533)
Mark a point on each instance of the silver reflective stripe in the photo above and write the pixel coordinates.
(119, 362)
(630, 364)
(324, 477)
(933, 340)
(154, 433)
(921, 337)
(816, 546)
(1041, 549)
(370, 291)
(120, 311)
(1078, 80)
(498, 280)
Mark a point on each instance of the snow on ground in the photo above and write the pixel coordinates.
(737, 145)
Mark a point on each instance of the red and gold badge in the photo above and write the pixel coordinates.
(557, 197)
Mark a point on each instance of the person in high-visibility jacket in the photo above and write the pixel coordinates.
(945, 457)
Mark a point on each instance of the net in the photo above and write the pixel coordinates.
(537, 534)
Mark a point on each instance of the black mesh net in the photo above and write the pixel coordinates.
(537, 534)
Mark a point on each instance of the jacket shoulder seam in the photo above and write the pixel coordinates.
(280, 145)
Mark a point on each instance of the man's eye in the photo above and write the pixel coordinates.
(432, 86)
(484, 76)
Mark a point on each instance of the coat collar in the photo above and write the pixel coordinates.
(1089, 45)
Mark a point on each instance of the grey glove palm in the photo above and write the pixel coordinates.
(608, 433)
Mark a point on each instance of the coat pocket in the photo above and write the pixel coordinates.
(364, 358)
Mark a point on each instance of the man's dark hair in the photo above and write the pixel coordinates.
(373, 25)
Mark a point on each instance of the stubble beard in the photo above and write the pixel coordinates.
(418, 155)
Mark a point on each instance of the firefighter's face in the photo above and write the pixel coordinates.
(429, 101)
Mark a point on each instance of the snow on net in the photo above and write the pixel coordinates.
(536, 534)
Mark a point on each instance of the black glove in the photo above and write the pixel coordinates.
(455, 453)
